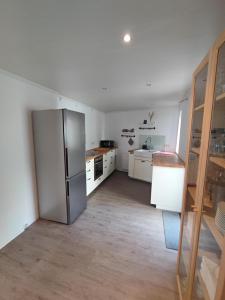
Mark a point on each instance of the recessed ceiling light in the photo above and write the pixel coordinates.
(127, 38)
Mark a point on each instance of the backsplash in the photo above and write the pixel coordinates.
(154, 142)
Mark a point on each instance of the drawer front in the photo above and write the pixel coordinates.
(143, 169)
(90, 163)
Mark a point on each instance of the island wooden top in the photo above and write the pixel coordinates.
(165, 159)
(98, 151)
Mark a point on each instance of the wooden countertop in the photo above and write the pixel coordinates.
(99, 151)
(167, 159)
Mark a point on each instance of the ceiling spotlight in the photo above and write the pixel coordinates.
(148, 84)
(127, 38)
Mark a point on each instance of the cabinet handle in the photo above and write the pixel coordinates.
(67, 169)
(106, 160)
(143, 160)
(89, 178)
(89, 170)
(67, 189)
(105, 167)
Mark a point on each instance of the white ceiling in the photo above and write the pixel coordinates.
(75, 48)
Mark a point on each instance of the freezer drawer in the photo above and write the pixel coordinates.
(76, 196)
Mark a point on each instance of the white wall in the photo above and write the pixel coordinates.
(166, 120)
(18, 97)
(184, 107)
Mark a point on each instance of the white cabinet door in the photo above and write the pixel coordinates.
(106, 163)
(112, 160)
(131, 165)
(143, 169)
(90, 183)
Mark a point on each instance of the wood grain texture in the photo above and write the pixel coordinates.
(99, 151)
(164, 160)
(115, 250)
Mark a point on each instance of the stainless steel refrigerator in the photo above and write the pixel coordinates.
(59, 141)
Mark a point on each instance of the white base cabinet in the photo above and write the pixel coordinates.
(143, 169)
(167, 188)
(109, 163)
(140, 168)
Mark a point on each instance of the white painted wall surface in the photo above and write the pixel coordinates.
(18, 97)
(184, 107)
(166, 120)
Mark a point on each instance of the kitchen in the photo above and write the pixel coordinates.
(112, 181)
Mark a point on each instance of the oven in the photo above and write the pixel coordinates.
(98, 166)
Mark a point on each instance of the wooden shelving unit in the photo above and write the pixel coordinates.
(220, 97)
(195, 150)
(214, 230)
(199, 234)
(192, 192)
(199, 107)
(219, 161)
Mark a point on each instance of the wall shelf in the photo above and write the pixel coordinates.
(210, 221)
(219, 161)
(220, 97)
(149, 128)
(195, 150)
(206, 201)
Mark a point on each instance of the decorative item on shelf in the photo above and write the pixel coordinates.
(150, 125)
(127, 135)
(130, 141)
(128, 130)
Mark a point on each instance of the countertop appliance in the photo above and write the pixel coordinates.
(59, 139)
(98, 167)
(107, 144)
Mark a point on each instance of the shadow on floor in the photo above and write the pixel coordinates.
(136, 190)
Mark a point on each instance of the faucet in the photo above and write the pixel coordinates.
(150, 142)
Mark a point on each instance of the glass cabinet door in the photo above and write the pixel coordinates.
(212, 227)
(189, 213)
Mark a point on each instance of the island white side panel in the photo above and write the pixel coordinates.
(167, 188)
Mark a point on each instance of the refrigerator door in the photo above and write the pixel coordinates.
(74, 139)
(76, 196)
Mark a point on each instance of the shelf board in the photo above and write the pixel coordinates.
(199, 107)
(219, 161)
(204, 287)
(220, 97)
(210, 221)
(206, 201)
(192, 191)
(195, 150)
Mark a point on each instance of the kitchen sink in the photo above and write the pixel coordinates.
(144, 153)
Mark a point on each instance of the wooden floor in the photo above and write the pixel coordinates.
(115, 250)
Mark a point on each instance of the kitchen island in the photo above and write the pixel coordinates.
(167, 181)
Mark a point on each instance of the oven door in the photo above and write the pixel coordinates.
(98, 168)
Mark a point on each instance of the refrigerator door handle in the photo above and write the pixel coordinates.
(66, 154)
(67, 189)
